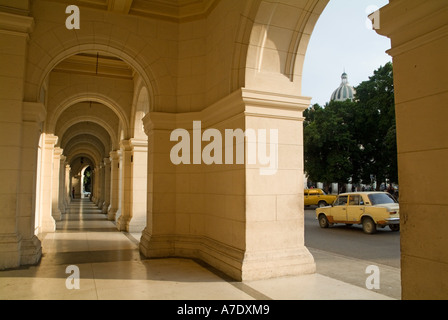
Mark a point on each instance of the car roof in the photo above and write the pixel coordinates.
(361, 192)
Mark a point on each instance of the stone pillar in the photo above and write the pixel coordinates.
(139, 185)
(97, 185)
(244, 217)
(126, 186)
(114, 181)
(56, 212)
(62, 186)
(94, 185)
(33, 117)
(48, 223)
(158, 237)
(67, 191)
(419, 35)
(107, 178)
(100, 200)
(14, 35)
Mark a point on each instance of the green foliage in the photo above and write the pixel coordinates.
(354, 140)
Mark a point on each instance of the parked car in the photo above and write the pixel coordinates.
(370, 209)
(317, 197)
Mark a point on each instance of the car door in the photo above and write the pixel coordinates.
(355, 208)
(306, 198)
(339, 209)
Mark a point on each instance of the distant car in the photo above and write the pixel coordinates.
(317, 197)
(370, 209)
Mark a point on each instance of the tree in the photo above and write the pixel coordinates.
(354, 140)
(376, 101)
(329, 143)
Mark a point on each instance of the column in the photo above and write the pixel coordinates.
(48, 223)
(126, 186)
(114, 181)
(139, 185)
(33, 117)
(62, 186)
(14, 34)
(107, 178)
(56, 212)
(242, 216)
(67, 191)
(419, 35)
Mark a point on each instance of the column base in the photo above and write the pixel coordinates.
(266, 265)
(9, 251)
(230, 260)
(105, 207)
(122, 224)
(31, 251)
(111, 214)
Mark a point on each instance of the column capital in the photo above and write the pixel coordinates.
(114, 156)
(50, 140)
(126, 145)
(106, 161)
(58, 152)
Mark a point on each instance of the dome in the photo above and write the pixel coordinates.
(345, 91)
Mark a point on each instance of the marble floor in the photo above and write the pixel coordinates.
(111, 268)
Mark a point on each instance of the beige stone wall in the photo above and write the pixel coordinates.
(419, 35)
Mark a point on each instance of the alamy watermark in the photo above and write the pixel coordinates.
(212, 153)
(73, 281)
(73, 20)
(373, 280)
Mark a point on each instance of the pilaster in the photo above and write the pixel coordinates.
(56, 212)
(126, 185)
(107, 177)
(48, 223)
(114, 185)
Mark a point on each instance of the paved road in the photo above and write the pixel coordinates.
(343, 253)
(382, 247)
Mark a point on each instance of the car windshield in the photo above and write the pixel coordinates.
(381, 198)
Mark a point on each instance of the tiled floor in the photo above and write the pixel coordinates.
(110, 267)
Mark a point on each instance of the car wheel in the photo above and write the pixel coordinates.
(394, 227)
(322, 204)
(368, 226)
(323, 221)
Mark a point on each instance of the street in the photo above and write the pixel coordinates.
(342, 252)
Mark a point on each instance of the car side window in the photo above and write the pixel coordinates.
(341, 201)
(354, 200)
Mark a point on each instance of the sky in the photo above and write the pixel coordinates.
(341, 40)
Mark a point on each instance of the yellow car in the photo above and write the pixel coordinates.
(370, 209)
(317, 197)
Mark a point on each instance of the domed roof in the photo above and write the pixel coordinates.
(345, 91)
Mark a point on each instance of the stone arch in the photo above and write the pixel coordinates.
(140, 109)
(85, 140)
(90, 97)
(86, 129)
(99, 122)
(51, 43)
(276, 44)
(83, 151)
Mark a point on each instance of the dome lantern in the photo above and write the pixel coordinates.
(345, 91)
